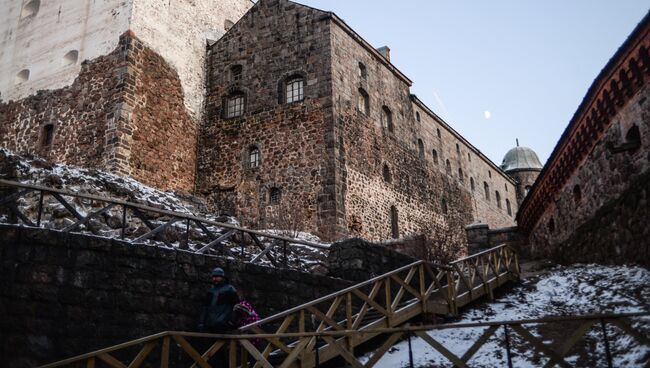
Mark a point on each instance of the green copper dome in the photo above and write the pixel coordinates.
(521, 158)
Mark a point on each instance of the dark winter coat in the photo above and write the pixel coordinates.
(217, 308)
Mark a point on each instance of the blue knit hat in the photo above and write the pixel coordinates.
(218, 272)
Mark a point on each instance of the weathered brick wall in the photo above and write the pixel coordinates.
(67, 294)
(275, 40)
(124, 113)
(609, 221)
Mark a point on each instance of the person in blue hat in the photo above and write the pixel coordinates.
(218, 306)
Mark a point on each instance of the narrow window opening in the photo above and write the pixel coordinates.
(387, 118)
(551, 225)
(22, 76)
(490, 174)
(457, 148)
(471, 184)
(30, 9)
(275, 195)
(448, 167)
(577, 194)
(486, 188)
(438, 131)
(498, 198)
(506, 186)
(364, 102)
(444, 207)
(47, 136)
(71, 58)
(394, 219)
(387, 175)
(469, 157)
(508, 207)
(254, 157)
(417, 116)
(420, 149)
(363, 72)
(460, 175)
(435, 156)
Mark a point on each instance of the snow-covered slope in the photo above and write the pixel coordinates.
(576, 290)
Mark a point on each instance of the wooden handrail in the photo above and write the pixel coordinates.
(180, 215)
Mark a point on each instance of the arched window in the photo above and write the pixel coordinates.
(47, 135)
(387, 118)
(486, 187)
(417, 116)
(236, 72)
(254, 157)
(469, 157)
(235, 104)
(275, 195)
(31, 8)
(363, 102)
(471, 184)
(506, 186)
(577, 194)
(448, 167)
(71, 57)
(420, 149)
(457, 148)
(394, 220)
(508, 207)
(444, 207)
(498, 198)
(633, 138)
(490, 174)
(460, 175)
(386, 173)
(22, 76)
(435, 156)
(363, 72)
(438, 131)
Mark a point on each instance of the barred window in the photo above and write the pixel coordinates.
(235, 106)
(254, 158)
(295, 90)
(275, 195)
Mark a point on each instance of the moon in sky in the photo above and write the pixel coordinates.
(487, 115)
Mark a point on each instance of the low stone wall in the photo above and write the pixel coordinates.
(359, 260)
(66, 294)
(481, 237)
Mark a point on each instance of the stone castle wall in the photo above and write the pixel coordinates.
(607, 222)
(66, 294)
(418, 185)
(124, 113)
(270, 45)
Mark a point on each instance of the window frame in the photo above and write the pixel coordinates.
(290, 82)
(236, 113)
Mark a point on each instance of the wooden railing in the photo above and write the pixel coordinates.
(196, 234)
(300, 335)
(175, 349)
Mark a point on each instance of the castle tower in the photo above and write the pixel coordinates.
(113, 84)
(523, 165)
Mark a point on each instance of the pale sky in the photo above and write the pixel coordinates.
(497, 70)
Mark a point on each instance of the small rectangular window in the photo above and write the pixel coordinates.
(235, 107)
(295, 90)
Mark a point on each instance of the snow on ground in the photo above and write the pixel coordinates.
(33, 170)
(576, 290)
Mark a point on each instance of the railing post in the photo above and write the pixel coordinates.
(509, 357)
(124, 208)
(284, 249)
(387, 295)
(408, 336)
(608, 352)
(317, 352)
(241, 243)
(40, 209)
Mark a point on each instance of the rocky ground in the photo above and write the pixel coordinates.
(559, 291)
(33, 170)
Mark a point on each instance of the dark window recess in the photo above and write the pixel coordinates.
(235, 106)
(435, 156)
(508, 207)
(448, 167)
(632, 141)
(577, 194)
(417, 116)
(498, 198)
(445, 209)
(551, 225)
(420, 149)
(394, 219)
(236, 72)
(275, 195)
(387, 119)
(364, 102)
(363, 72)
(461, 177)
(386, 174)
(486, 187)
(48, 135)
(457, 148)
(438, 131)
(471, 184)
